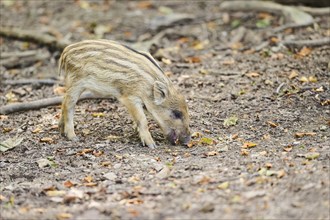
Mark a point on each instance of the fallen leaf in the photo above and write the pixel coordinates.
(272, 124)
(48, 140)
(280, 173)
(268, 165)
(244, 152)
(37, 130)
(68, 184)
(312, 79)
(10, 143)
(252, 74)
(303, 79)
(98, 153)
(46, 162)
(63, 215)
(312, 155)
(249, 145)
(84, 151)
(208, 207)
(293, 74)
(144, 4)
(211, 153)
(207, 141)
(98, 114)
(166, 61)
(60, 90)
(106, 163)
(90, 184)
(164, 173)
(223, 185)
(53, 193)
(303, 134)
(304, 51)
(196, 135)
(193, 59)
(11, 97)
(288, 148)
(229, 61)
(88, 179)
(231, 121)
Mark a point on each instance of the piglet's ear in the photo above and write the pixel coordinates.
(160, 92)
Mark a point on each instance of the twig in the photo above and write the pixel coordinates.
(28, 35)
(30, 81)
(27, 53)
(16, 107)
(293, 25)
(279, 88)
(307, 43)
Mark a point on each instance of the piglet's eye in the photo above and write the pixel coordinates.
(177, 114)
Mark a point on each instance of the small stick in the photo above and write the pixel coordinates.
(308, 43)
(30, 81)
(16, 107)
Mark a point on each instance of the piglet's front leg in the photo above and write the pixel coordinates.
(134, 107)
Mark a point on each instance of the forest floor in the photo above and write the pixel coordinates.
(259, 113)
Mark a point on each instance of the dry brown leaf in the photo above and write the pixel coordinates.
(288, 148)
(194, 59)
(53, 193)
(229, 61)
(252, 74)
(37, 130)
(106, 163)
(303, 134)
(304, 51)
(268, 165)
(293, 74)
(68, 184)
(84, 151)
(234, 136)
(280, 173)
(63, 215)
(98, 114)
(144, 4)
(60, 90)
(88, 179)
(90, 184)
(249, 145)
(272, 124)
(211, 153)
(312, 79)
(98, 153)
(244, 152)
(48, 140)
(303, 79)
(166, 61)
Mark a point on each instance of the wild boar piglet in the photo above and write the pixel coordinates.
(109, 68)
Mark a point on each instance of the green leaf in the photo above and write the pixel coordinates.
(263, 23)
(231, 121)
(10, 143)
(235, 23)
(206, 140)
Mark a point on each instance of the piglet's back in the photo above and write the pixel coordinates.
(110, 61)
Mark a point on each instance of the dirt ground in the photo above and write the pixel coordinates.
(259, 113)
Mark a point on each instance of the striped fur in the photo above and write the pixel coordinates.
(109, 68)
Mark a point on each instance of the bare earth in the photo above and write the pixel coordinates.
(272, 163)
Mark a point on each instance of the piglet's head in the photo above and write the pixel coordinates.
(170, 110)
